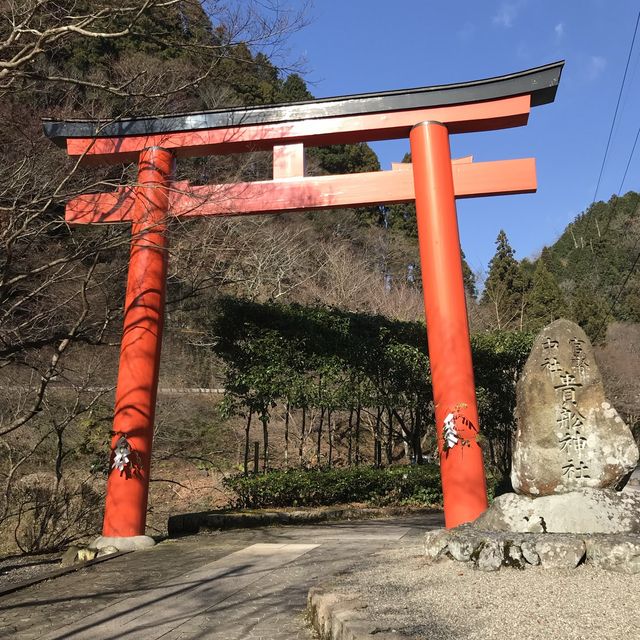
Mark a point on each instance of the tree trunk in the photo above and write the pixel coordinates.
(59, 458)
(319, 437)
(256, 457)
(417, 440)
(389, 436)
(406, 435)
(506, 455)
(265, 442)
(286, 437)
(377, 449)
(412, 420)
(405, 444)
(492, 452)
(247, 431)
(303, 436)
(349, 452)
(358, 411)
(330, 431)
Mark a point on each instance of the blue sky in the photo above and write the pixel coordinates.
(354, 46)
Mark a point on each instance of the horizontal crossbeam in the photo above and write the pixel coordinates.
(304, 194)
(463, 118)
(540, 83)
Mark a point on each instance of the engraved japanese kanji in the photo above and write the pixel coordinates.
(567, 381)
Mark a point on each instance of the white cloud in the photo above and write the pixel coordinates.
(559, 29)
(507, 13)
(595, 66)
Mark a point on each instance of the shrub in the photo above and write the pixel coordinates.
(317, 487)
(50, 516)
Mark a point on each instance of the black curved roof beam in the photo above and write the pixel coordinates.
(540, 84)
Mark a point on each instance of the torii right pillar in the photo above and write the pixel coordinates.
(462, 469)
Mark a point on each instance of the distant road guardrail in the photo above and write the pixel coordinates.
(161, 390)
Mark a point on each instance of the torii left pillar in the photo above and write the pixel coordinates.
(128, 489)
(461, 467)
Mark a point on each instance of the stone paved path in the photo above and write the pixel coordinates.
(236, 585)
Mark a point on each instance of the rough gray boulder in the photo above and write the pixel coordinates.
(76, 554)
(529, 553)
(568, 435)
(460, 549)
(435, 544)
(620, 553)
(491, 556)
(70, 556)
(492, 550)
(582, 511)
(560, 552)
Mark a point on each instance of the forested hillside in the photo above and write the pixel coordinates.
(312, 323)
(593, 263)
(589, 274)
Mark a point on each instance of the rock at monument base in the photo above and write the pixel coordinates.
(76, 554)
(514, 557)
(529, 553)
(583, 511)
(435, 545)
(70, 556)
(491, 556)
(461, 550)
(568, 436)
(493, 550)
(619, 553)
(560, 552)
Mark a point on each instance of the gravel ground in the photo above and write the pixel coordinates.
(15, 569)
(451, 600)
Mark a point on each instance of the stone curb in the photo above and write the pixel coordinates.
(192, 523)
(336, 616)
(17, 586)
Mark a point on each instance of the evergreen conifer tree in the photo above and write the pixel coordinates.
(468, 277)
(589, 310)
(503, 288)
(546, 301)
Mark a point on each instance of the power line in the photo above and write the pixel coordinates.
(622, 287)
(624, 177)
(613, 122)
(604, 159)
(615, 114)
(637, 259)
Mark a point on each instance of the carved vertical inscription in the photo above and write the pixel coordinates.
(568, 435)
(579, 362)
(567, 378)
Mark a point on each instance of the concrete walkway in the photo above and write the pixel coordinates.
(249, 584)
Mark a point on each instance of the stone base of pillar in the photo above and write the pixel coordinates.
(128, 543)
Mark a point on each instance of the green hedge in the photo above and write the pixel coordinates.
(316, 487)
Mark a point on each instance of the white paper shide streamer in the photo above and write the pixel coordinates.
(450, 433)
(122, 453)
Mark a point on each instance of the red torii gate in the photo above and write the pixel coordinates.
(426, 115)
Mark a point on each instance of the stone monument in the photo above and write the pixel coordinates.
(572, 455)
(569, 437)
(572, 450)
